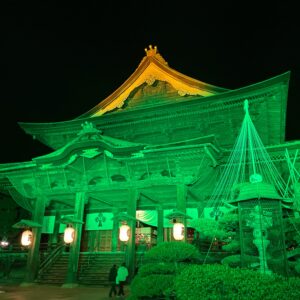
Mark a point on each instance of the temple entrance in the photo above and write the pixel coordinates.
(145, 237)
(96, 241)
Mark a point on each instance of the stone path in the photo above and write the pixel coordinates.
(44, 292)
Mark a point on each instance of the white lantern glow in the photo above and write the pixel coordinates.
(26, 238)
(178, 231)
(124, 233)
(69, 235)
(4, 242)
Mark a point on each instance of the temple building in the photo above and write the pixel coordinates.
(147, 156)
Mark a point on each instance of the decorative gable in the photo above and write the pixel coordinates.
(153, 76)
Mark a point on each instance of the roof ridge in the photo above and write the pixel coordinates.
(153, 67)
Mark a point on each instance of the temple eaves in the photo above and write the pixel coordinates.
(88, 140)
(272, 92)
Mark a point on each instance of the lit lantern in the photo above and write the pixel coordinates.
(26, 238)
(4, 242)
(124, 233)
(178, 231)
(69, 235)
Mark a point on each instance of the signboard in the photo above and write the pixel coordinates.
(99, 221)
(48, 224)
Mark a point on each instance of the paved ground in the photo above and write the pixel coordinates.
(44, 292)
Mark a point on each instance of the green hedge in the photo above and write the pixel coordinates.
(156, 285)
(233, 246)
(236, 260)
(158, 268)
(223, 282)
(172, 252)
(162, 263)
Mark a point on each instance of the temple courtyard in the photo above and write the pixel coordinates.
(47, 292)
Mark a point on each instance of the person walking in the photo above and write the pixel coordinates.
(112, 279)
(121, 278)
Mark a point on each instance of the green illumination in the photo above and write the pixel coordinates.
(165, 142)
(251, 188)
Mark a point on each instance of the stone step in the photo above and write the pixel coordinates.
(93, 269)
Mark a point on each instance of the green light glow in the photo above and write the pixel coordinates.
(165, 142)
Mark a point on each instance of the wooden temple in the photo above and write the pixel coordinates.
(155, 145)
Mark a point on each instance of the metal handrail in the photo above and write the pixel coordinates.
(89, 258)
(51, 257)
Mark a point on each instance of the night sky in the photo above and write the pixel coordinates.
(58, 61)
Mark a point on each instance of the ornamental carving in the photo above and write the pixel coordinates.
(182, 93)
(150, 80)
(154, 53)
(88, 128)
(120, 105)
(87, 125)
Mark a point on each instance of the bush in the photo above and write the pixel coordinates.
(156, 285)
(233, 246)
(157, 268)
(172, 252)
(161, 265)
(223, 282)
(236, 261)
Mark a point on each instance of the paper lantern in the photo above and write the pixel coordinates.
(26, 238)
(178, 231)
(69, 235)
(4, 242)
(124, 233)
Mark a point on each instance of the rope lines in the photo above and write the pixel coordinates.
(249, 165)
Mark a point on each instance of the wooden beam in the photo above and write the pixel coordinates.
(149, 198)
(102, 201)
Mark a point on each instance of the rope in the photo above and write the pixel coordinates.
(248, 161)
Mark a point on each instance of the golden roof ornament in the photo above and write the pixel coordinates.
(153, 52)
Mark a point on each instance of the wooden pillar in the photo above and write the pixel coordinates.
(130, 250)
(33, 259)
(115, 231)
(53, 240)
(160, 224)
(181, 203)
(71, 279)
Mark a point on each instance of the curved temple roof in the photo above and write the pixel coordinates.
(153, 68)
(156, 92)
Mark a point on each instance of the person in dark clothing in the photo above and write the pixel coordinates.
(112, 279)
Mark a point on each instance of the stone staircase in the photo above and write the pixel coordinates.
(56, 273)
(94, 267)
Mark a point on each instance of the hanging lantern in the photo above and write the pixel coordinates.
(178, 231)
(124, 233)
(26, 238)
(69, 235)
(4, 242)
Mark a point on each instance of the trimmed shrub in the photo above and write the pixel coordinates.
(156, 285)
(172, 252)
(157, 268)
(223, 282)
(233, 246)
(236, 261)
(155, 278)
